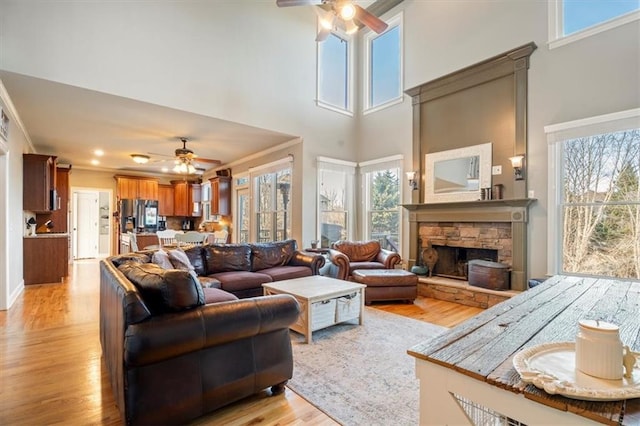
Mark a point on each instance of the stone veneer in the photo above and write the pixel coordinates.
(481, 235)
(461, 292)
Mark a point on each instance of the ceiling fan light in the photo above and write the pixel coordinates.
(350, 27)
(139, 158)
(347, 11)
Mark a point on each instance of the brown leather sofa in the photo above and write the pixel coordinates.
(171, 357)
(241, 269)
(348, 256)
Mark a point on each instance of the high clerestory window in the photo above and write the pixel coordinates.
(571, 20)
(383, 67)
(335, 73)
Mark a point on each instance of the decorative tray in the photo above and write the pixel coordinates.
(552, 367)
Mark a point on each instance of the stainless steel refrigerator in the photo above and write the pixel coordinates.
(138, 215)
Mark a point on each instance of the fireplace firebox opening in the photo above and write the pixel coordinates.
(453, 261)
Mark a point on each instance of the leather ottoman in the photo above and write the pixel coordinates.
(387, 284)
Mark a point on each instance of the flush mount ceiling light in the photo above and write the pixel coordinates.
(140, 158)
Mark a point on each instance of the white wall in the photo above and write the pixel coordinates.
(11, 218)
(252, 62)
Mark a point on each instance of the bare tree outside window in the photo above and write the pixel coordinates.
(601, 205)
(333, 211)
(273, 208)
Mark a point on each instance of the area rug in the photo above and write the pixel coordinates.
(362, 375)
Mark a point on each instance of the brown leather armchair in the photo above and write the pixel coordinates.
(347, 256)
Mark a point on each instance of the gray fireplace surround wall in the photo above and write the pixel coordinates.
(513, 212)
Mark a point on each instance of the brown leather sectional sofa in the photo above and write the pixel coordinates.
(175, 350)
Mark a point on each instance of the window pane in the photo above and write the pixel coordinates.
(333, 72)
(273, 206)
(383, 215)
(385, 67)
(243, 216)
(580, 14)
(601, 201)
(333, 215)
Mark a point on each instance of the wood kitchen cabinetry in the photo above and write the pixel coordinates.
(39, 182)
(131, 187)
(165, 200)
(221, 195)
(60, 218)
(46, 258)
(186, 198)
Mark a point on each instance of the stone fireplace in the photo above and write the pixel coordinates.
(493, 230)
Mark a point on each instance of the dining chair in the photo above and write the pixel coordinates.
(220, 237)
(133, 242)
(191, 238)
(167, 237)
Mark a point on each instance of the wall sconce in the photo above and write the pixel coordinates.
(518, 166)
(413, 183)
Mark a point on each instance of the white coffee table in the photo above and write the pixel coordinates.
(318, 293)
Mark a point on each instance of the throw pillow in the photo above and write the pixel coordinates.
(164, 290)
(179, 260)
(161, 258)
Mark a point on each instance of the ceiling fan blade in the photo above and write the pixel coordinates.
(370, 20)
(161, 155)
(287, 3)
(323, 34)
(206, 160)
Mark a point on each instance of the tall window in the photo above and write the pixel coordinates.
(272, 191)
(335, 66)
(597, 188)
(335, 195)
(381, 191)
(243, 209)
(383, 69)
(571, 20)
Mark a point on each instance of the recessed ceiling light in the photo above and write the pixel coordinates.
(140, 158)
(164, 170)
(95, 162)
(99, 152)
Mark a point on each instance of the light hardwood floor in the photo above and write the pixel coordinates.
(51, 370)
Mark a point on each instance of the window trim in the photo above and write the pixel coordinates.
(369, 36)
(556, 134)
(555, 18)
(350, 74)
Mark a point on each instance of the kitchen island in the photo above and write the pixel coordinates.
(467, 374)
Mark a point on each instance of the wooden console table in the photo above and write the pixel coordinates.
(471, 365)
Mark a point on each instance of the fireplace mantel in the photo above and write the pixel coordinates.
(513, 211)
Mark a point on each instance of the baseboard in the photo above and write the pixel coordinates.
(14, 295)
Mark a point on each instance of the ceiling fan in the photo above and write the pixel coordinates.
(186, 160)
(343, 14)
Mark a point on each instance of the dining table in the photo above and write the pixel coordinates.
(467, 374)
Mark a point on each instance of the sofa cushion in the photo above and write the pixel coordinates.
(241, 280)
(161, 258)
(269, 255)
(130, 257)
(227, 257)
(354, 266)
(215, 295)
(280, 273)
(164, 290)
(358, 251)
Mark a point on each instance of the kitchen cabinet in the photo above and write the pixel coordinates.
(221, 195)
(45, 258)
(39, 182)
(60, 217)
(132, 187)
(165, 200)
(186, 198)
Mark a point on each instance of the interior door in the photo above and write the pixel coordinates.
(86, 229)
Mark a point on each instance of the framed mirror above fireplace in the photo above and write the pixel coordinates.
(457, 174)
